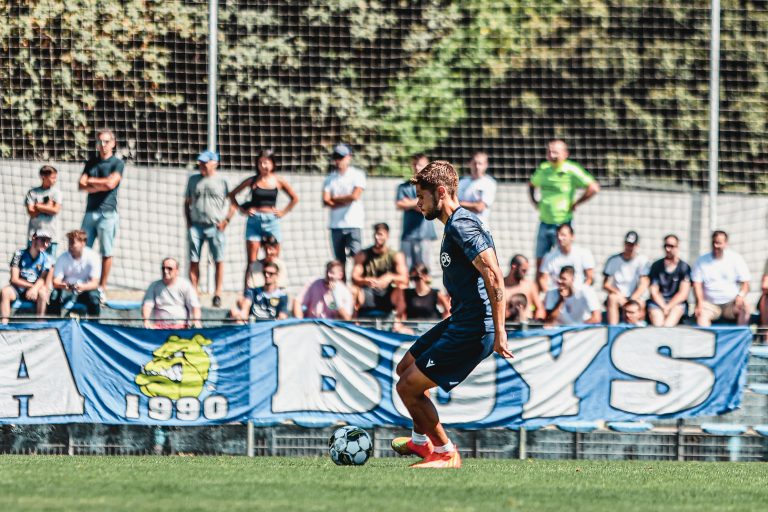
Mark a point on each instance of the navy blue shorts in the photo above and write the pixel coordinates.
(448, 353)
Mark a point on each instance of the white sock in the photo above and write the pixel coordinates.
(446, 448)
(417, 438)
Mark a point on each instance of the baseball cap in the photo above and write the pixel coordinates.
(207, 156)
(341, 150)
(631, 237)
(41, 233)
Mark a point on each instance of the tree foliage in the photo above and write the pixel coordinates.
(65, 60)
(625, 82)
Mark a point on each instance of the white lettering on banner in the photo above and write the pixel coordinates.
(47, 380)
(636, 352)
(303, 365)
(551, 380)
(472, 400)
(215, 407)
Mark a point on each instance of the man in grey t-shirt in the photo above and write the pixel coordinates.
(208, 211)
(171, 302)
(43, 205)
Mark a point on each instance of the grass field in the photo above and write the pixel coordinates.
(140, 484)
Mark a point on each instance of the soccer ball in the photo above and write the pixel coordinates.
(350, 446)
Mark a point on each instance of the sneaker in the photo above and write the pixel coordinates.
(406, 446)
(445, 460)
(216, 301)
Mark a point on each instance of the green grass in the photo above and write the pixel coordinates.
(212, 484)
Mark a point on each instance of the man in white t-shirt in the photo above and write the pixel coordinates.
(571, 303)
(478, 190)
(341, 193)
(625, 278)
(76, 276)
(720, 284)
(171, 302)
(566, 253)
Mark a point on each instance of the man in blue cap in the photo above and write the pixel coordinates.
(342, 190)
(208, 211)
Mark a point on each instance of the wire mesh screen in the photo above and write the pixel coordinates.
(625, 83)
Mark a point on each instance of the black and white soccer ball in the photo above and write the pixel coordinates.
(350, 446)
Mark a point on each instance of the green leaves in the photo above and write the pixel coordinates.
(626, 80)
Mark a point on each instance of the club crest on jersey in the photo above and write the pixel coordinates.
(445, 259)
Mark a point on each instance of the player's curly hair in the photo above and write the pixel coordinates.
(439, 172)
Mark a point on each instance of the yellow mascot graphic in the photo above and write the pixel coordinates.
(179, 368)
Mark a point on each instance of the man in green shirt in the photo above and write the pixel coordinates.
(558, 179)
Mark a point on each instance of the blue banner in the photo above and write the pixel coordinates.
(320, 373)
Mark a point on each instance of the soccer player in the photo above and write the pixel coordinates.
(447, 353)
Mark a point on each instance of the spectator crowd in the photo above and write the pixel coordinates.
(380, 281)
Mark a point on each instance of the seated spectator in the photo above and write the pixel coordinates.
(518, 311)
(625, 277)
(516, 283)
(566, 253)
(632, 313)
(171, 302)
(268, 302)
(30, 276)
(762, 303)
(422, 302)
(670, 286)
(43, 206)
(76, 277)
(326, 298)
(377, 272)
(571, 302)
(720, 284)
(255, 275)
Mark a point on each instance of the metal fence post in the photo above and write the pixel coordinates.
(522, 445)
(249, 441)
(679, 455)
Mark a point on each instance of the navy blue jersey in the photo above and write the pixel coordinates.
(267, 305)
(31, 269)
(463, 239)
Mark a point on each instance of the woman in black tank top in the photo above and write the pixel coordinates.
(261, 207)
(420, 302)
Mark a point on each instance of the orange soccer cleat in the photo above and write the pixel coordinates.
(406, 446)
(444, 460)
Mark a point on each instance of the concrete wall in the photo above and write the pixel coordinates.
(152, 222)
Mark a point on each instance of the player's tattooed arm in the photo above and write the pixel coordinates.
(488, 266)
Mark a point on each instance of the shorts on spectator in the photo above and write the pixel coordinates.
(725, 311)
(198, 235)
(376, 299)
(416, 251)
(546, 238)
(260, 225)
(62, 300)
(346, 240)
(652, 305)
(101, 225)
